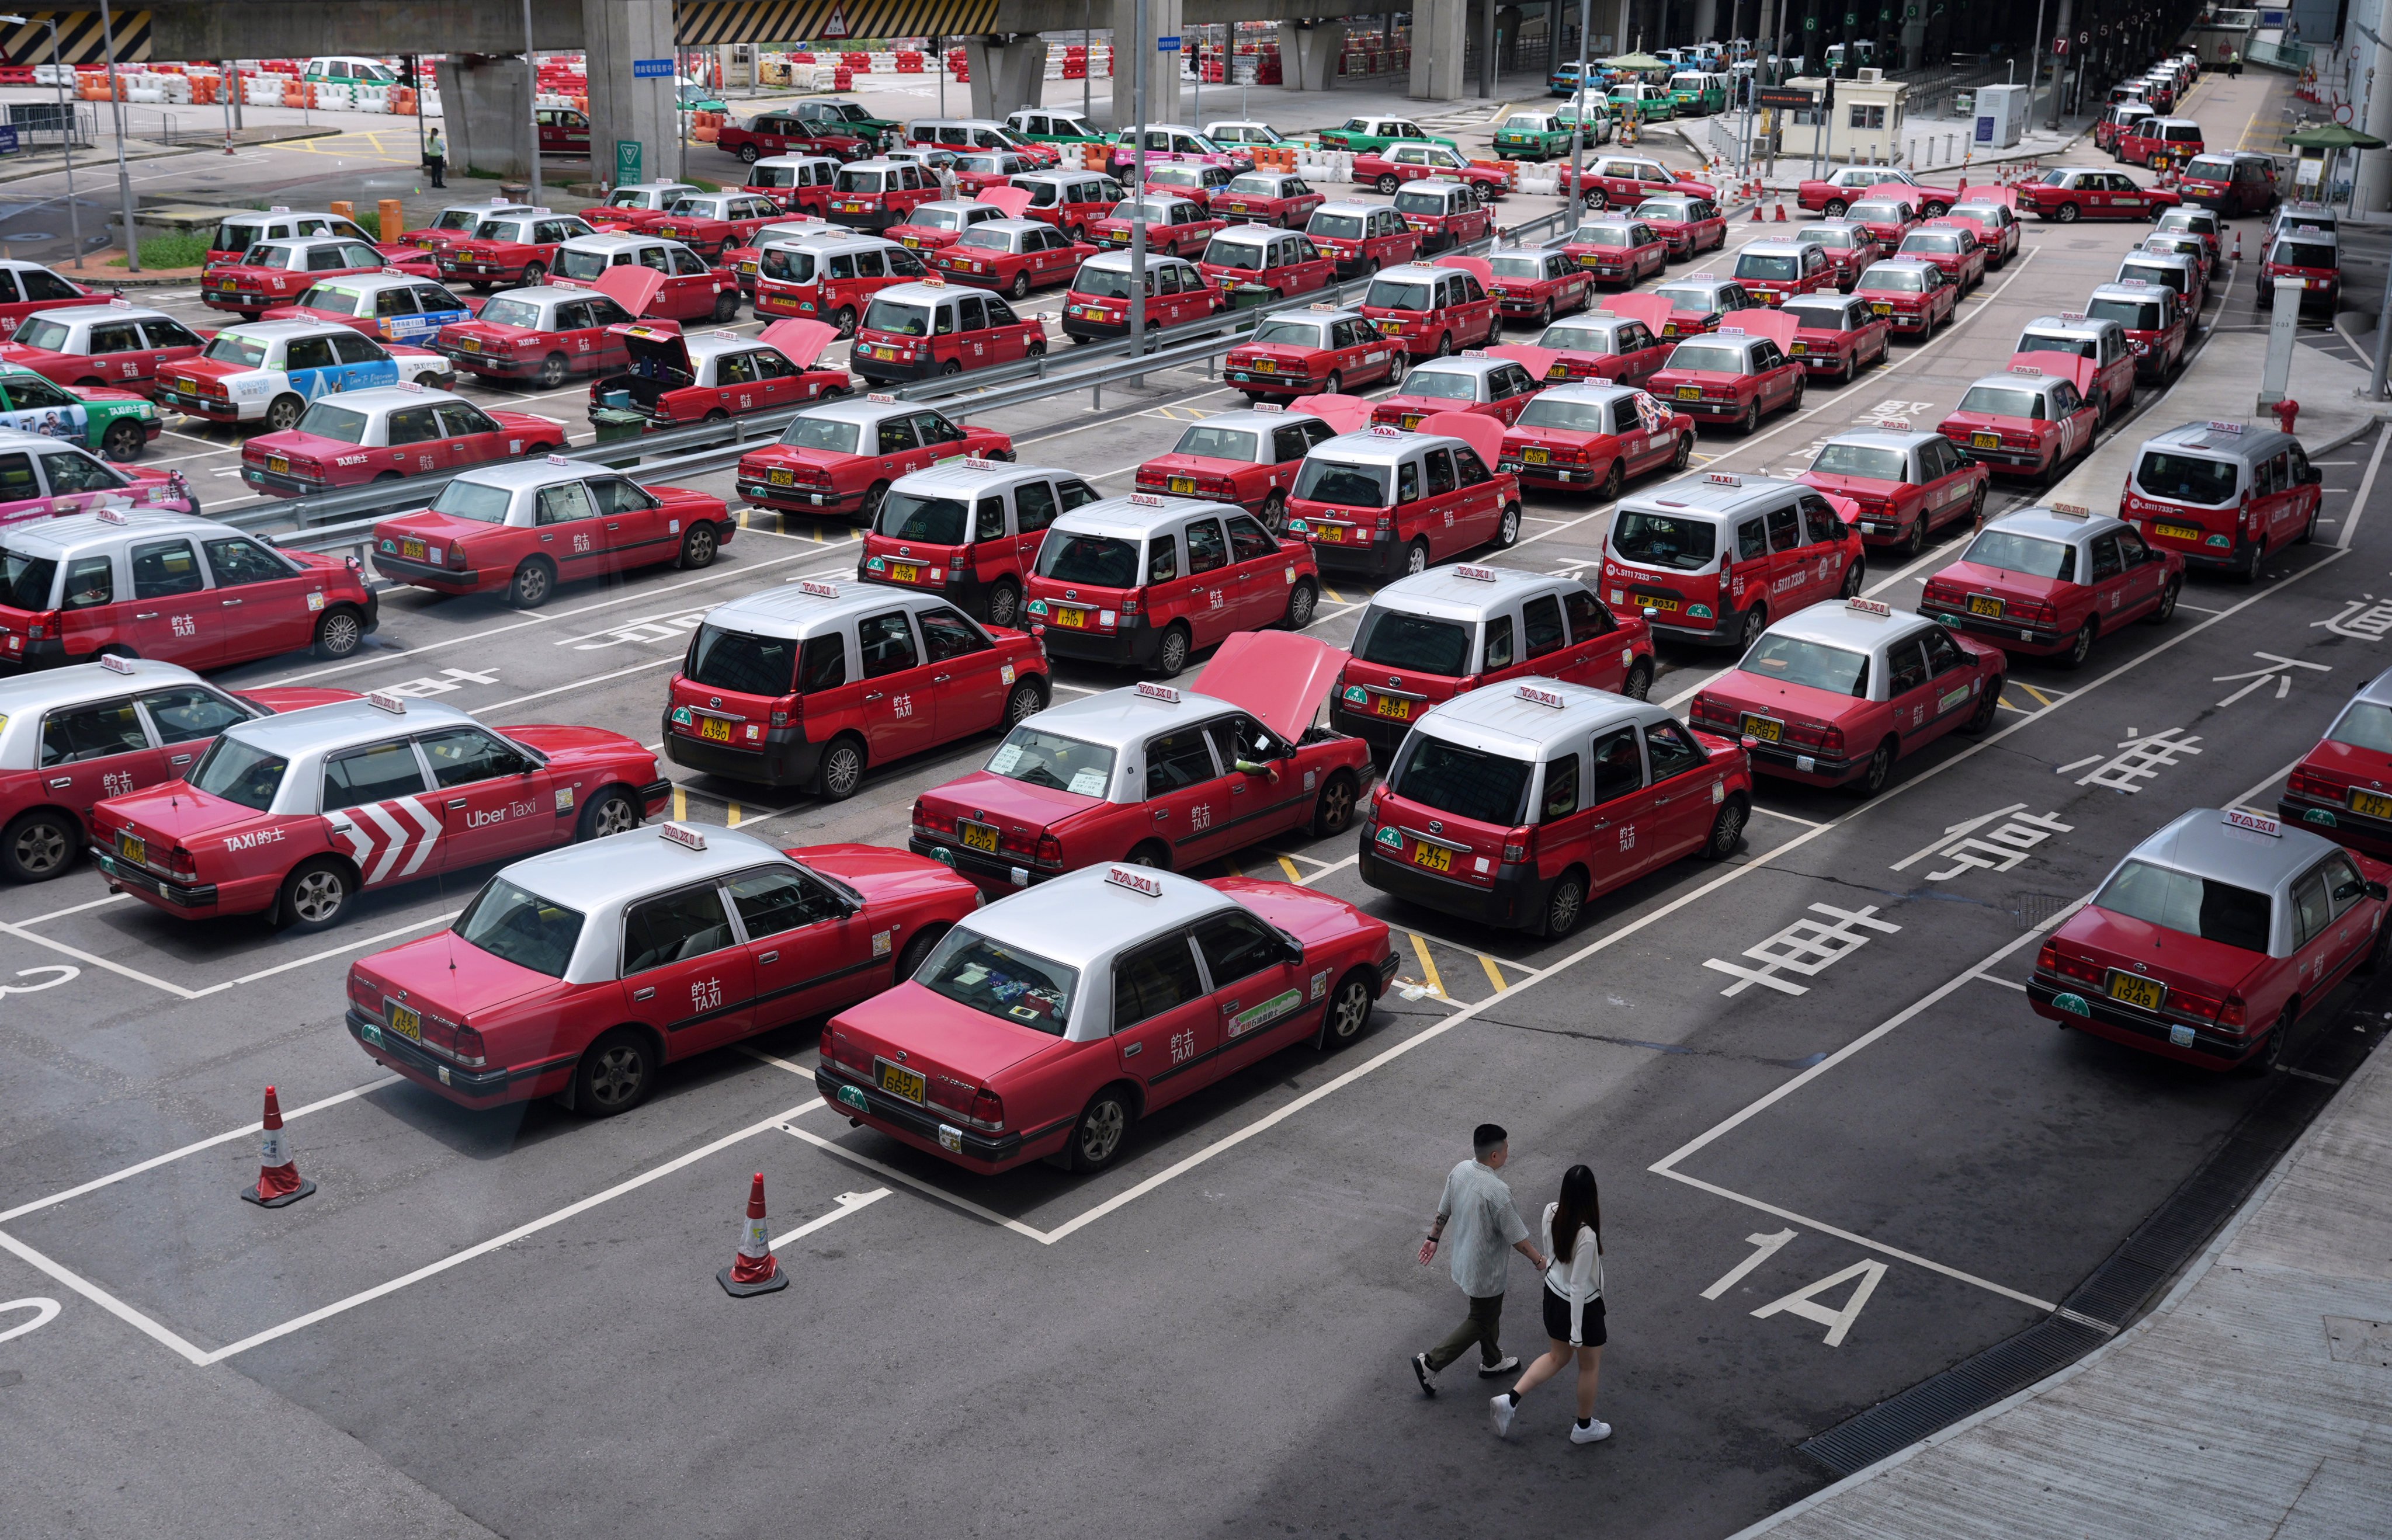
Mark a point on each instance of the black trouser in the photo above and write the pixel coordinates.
(1485, 1324)
(439, 164)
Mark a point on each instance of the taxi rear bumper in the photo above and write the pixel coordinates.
(801, 500)
(183, 897)
(1789, 762)
(216, 408)
(923, 1128)
(469, 1087)
(784, 760)
(2090, 1011)
(506, 366)
(1378, 558)
(423, 575)
(2338, 822)
(281, 484)
(1000, 870)
(1131, 645)
(2010, 634)
(1516, 900)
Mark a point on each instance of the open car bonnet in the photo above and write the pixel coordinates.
(1652, 309)
(1538, 361)
(1482, 433)
(801, 342)
(1346, 413)
(1476, 267)
(632, 286)
(2065, 365)
(1776, 325)
(1013, 201)
(1281, 677)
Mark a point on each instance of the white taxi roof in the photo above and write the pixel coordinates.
(1140, 513)
(599, 876)
(309, 735)
(1050, 173)
(305, 242)
(1773, 248)
(374, 283)
(1082, 918)
(1008, 226)
(1467, 592)
(2048, 523)
(955, 479)
(969, 208)
(655, 186)
(1124, 718)
(74, 534)
(1247, 418)
(794, 163)
(2202, 844)
(1516, 718)
(496, 205)
(545, 295)
(829, 241)
(1273, 173)
(26, 696)
(2010, 379)
(923, 293)
(1856, 630)
(1118, 261)
(1849, 228)
(1444, 187)
(267, 331)
(1699, 496)
(2081, 327)
(1348, 206)
(1382, 446)
(97, 315)
(798, 610)
(864, 410)
(1886, 438)
(2138, 289)
(611, 242)
(391, 398)
(519, 474)
(1251, 235)
(1480, 369)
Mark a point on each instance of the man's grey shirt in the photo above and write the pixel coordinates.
(1481, 1225)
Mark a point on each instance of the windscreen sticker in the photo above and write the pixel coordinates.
(1087, 782)
(1004, 759)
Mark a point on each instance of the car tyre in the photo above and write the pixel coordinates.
(1332, 812)
(844, 322)
(2264, 1059)
(1004, 602)
(867, 512)
(1613, 481)
(39, 845)
(534, 275)
(1916, 541)
(2308, 530)
(747, 153)
(283, 412)
(698, 545)
(1416, 558)
(534, 585)
(616, 1073)
(1026, 701)
(841, 774)
(1756, 620)
(1597, 200)
(1444, 344)
(1150, 854)
(726, 306)
(552, 372)
(1638, 685)
(1302, 600)
(2066, 214)
(316, 894)
(1727, 829)
(2164, 610)
(1853, 576)
(1565, 906)
(1685, 451)
(1507, 531)
(1101, 1132)
(2248, 572)
(1349, 1012)
(1171, 652)
(124, 441)
(1751, 418)
(610, 812)
(1274, 512)
(1988, 703)
(340, 631)
(1879, 771)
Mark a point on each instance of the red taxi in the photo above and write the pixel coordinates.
(1445, 213)
(199, 594)
(935, 226)
(1388, 169)
(117, 344)
(1174, 226)
(1618, 250)
(873, 195)
(1268, 197)
(920, 330)
(1836, 695)
(1070, 200)
(2338, 787)
(971, 529)
(458, 221)
(1690, 225)
(635, 205)
(820, 928)
(839, 457)
(779, 134)
(1011, 256)
(2049, 581)
(2104, 343)
(78, 735)
(830, 278)
(1596, 436)
(1249, 457)
(1888, 220)
(1711, 561)
(1205, 771)
(521, 529)
(662, 279)
(1286, 262)
(992, 1055)
(2223, 495)
(2068, 195)
(796, 183)
(2161, 143)
(2158, 327)
(812, 683)
(977, 172)
(2115, 119)
(1847, 248)
(1385, 501)
(2309, 258)
(2192, 219)
(674, 378)
(1624, 181)
(511, 249)
(1904, 485)
(1192, 180)
(2168, 269)
(1950, 245)
(2214, 939)
(388, 433)
(1914, 296)
(1730, 377)
(1837, 334)
(1529, 285)
(1474, 384)
(1362, 238)
(1606, 348)
(1146, 582)
(2233, 186)
(1700, 303)
(543, 335)
(292, 816)
(1495, 809)
(1320, 351)
(1774, 271)
(2032, 420)
(1837, 192)
(708, 223)
(1996, 225)
(276, 272)
(1431, 310)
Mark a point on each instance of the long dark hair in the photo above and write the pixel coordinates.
(1582, 1204)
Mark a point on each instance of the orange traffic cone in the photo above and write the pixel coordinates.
(2238, 245)
(757, 1271)
(279, 1181)
(1781, 210)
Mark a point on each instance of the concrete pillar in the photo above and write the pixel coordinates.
(1438, 39)
(486, 107)
(1163, 93)
(1623, 34)
(2375, 181)
(623, 111)
(1308, 53)
(1008, 72)
(1706, 20)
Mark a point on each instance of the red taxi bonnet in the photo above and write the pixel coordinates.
(1538, 361)
(1902, 192)
(2005, 197)
(1346, 413)
(801, 342)
(2065, 366)
(1652, 309)
(1476, 267)
(632, 286)
(1281, 677)
(1013, 201)
(1776, 325)
(1482, 434)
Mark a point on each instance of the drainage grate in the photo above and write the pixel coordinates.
(2113, 1294)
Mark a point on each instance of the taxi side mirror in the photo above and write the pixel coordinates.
(2312, 476)
(2378, 892)
(1292, 950)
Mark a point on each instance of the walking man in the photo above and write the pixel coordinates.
(1479, 1211)
(436, 156)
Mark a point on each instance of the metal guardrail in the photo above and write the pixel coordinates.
(331, 520)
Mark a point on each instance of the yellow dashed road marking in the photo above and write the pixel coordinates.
(1428, 967)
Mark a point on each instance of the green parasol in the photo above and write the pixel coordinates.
(2334, 135)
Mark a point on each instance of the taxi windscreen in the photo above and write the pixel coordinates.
(1289, 333)
(472, 499)
(898, 319)
(932, 520)
(772, 176)
(2134, 315)
(2213, 910)
(1532, 267)
(1394, 640)
(829, 433)
(2364, 725)
(1099, 561)
(1347, 485)
(2152, 273)
(777, 262)
(1261, 184)
(627, 198)
(1658, 540)
(1443, 384)
(1247, 257)
(511, 231)
(503, 311)
(1762, 266)
(1237, 444)
(580, 265)
(1894, 281)
(1174, 176)
(1465, 782)
(1609, 238)
(1790, 660)
(720, 658)
(1002, 981)
(326, 420)
(232, 348)
(1577, 339)
(1840, 241)
(1107, 283)
(1050, 759)
(2005, 401)
(2302, 253)
(522, 927)
(2187, 478)
(42, 331)
(336, 301)
(1414, 200)
(1337, 227)
(1687, 297)
(1395, 294)
(1869, 461)
(1706, 358)
(1577, 417)
(1816, 315)
(2081, 347)
(25, 580)
(457, 219)
(234, 237)
(2028, 555)
(239, 772)
(859, 181)
(1933, 242)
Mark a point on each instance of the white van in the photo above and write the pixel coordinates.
(348, 70)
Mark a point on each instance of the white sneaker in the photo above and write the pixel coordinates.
(1500, 1410)
(1595, 1431)
(1490, 1371)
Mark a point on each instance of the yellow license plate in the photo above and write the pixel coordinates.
(2371, 804)
(1537, 456)
(1669, 328)
(411, 549)
(1979, 605)
(135, 850)
(406, 1022)
(912, 241)
(1391, 328)
(1799, 349)
(782, 478)
(1656, 601)
(747, 269)
(670, 232)
(1763, 728)
(905, 572)
(1690, 392)
(1268, 366)
(978, 837)
(2177, 532)
(1333, 534)
(471, 344)
(1400, 710)
(1882, 309)
(276, 464)
(1984, 441)
(227, 283)
(1410, 420)
(1182, 485)
(710, 726)
(1436, 857)
(1076, 619)
(2145, 992)
(898, 1081)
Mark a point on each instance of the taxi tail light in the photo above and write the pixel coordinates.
(1941, 592)
(1831, 742)
(1520, 843)
(2231, 1013)
(470, 1049)
(214, 387)
(1129, 604)
(1725, 577)
(181, 862)
(363, 994)
(2051, 961)
(2047, 959)
(2034, 610)
(456, 557)
(988, 1111)
(1049, 851)
(2308, 782)
(1710, 710)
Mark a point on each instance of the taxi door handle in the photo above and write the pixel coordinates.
(769, 957)
(1239, 789)
(230, 602)
(145, 615)
(1131, 1050)
(456, 802)
(57, 781)
(180, 759)
(874, 695)
(1162, 812)
(545, 539)
(643, 994)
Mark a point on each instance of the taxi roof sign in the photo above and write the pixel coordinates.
(2072, 314)
(1153, 691)
(1898, 424)
(2217, 427)
(558, 459)
(1381, 430)
(976, 462)
(1536, 695)
(1731, 331)
(1703, 277)
(1869, 607)
(683, 835)
(415, 385)
(385, 701)
(2071, 510)
(2237, 818)
(2026, 368)
(1476, 574)
(1267, 407)
(1723, 478)
(881, 398)
(1145, 499)
(819, 589)
(114, 664)
(1143, 884)
(113, 516)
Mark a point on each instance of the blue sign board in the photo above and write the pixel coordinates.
(1167, 44)
(8, 141)
(651, 68)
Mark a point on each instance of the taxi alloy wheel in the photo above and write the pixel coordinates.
(339, 633)
(1727, 829)
(1638, 686)
(1388, 182)
(841, 772)
(610, 812)
(2165, 608)
(952, 365)
(1613, 482)
(1004, 603)
(38, 846)
(1103, 1128)
(1444, 344)
(867, 512)
(1916, 541)
(2271, 1051)
(1416, 559)
(2067, 214)
(283, 412)
(1026, 702)
(1751, 416)
(1989, 701)
(747, 153)
(1334, 812)
(534, 274)
(844, 322)
(1301, 602)
(726, 306)
(1335, 384)
(1019, 289)
(2308, 530)
(1596, 201)
(1349, 1012)
(1171, 652)
(124, 441)
(1756, 620)
(1507, 533)
(1685, 452)
(1835, 209)
(2081, 646)
(698, 547)
(315, 895)
(1274, 512)
(1399, 363)
(534, 582)
(1880, 771)
(552, 372)
(614, 1075)
(1564, 906)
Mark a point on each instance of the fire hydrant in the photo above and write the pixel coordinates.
(2286, 410)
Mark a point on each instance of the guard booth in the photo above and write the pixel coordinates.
(1863, 127)
(2001, 116)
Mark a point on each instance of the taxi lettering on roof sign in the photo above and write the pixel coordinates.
(687, 838)
(974, 463)
(114, 664)
(112, 516)
(1896, 424)
(1136, 881)
(1159, 693)
(1536, 696)
(819, 591)
(2217, 427)
(1870, 606)
(1476, 574)
(2026, 368)
(1723, 478)
(2071, 510)
(1145, 499)
(388, 703)
(1381, 430)
(881, 398)
(2072, 314)
(2237, 818)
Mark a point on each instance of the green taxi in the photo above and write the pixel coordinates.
(1373, 135)
(117, 423)
(1043, 126)
(1546, 135)
(1641, 103)
(1697, 93)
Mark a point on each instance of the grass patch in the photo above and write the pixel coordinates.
(185, 249)
(484, 175)
(702, 184)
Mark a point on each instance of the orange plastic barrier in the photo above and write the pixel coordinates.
(393, 221)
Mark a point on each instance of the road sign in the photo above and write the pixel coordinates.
(651, 68)
(2059, 45)
(626, 162)
(1167, 44)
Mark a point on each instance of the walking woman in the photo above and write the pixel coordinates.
(1573, 1240)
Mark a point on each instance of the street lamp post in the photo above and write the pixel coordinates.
(531, 75)
(124, 178)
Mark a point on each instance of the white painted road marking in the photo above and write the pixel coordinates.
(1767, 1248)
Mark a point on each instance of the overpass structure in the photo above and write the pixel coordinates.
(486, 86)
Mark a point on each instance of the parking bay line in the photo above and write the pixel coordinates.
(848, 1203)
